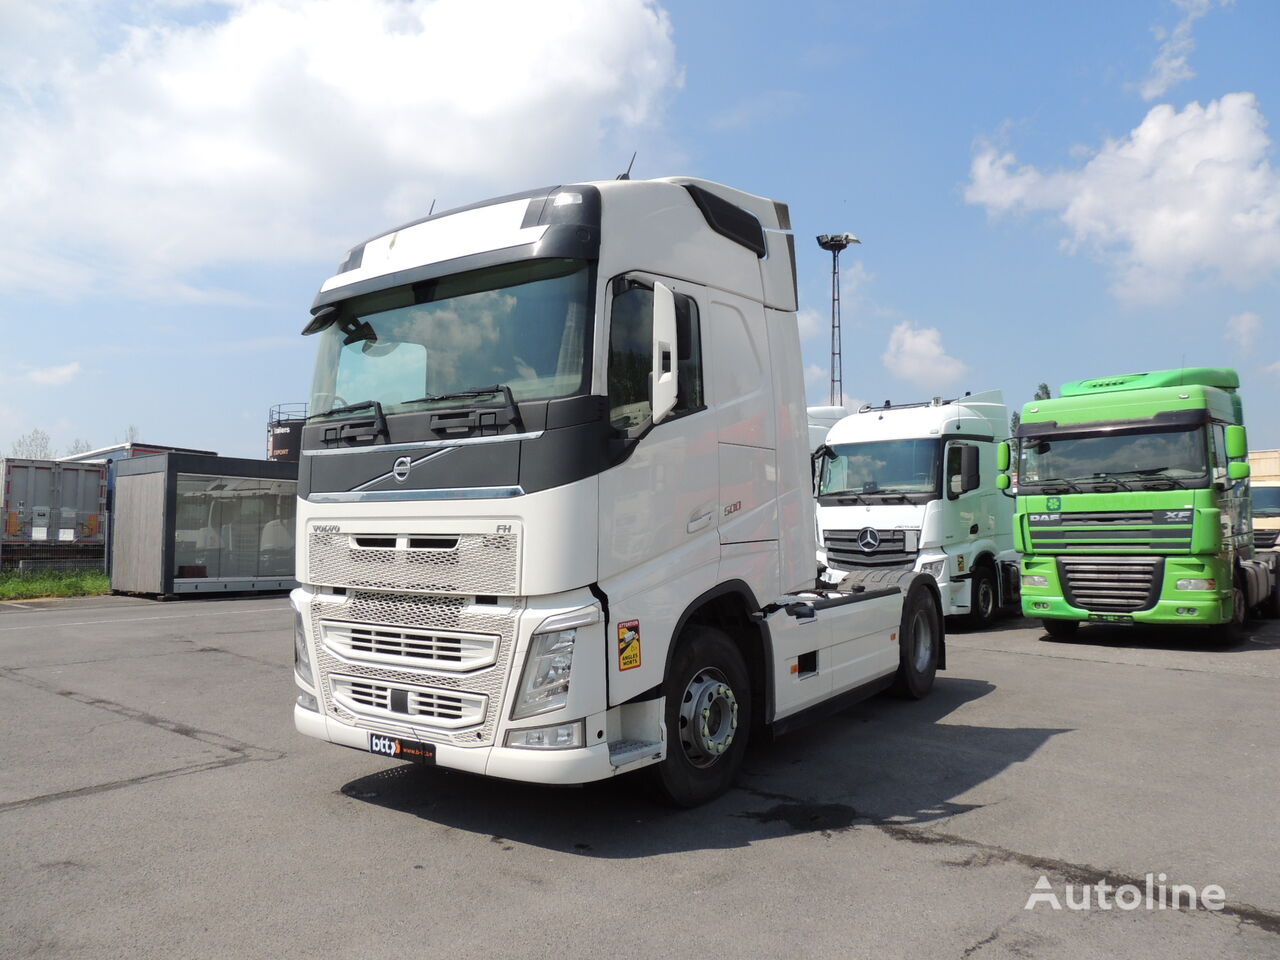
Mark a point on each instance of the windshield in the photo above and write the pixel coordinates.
(1266, 501)
(524, 325)
(881, 466)
(1128, 459)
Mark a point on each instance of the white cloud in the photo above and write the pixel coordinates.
(812, 324)
(917, 355)
(1186, 193)
(55, 376)
(1244, 328)
(288, 129)
(815, 374)
(1170, 66)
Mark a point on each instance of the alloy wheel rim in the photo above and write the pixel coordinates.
(708, 717)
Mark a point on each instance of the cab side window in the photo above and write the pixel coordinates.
(954, 475)
(631, 356)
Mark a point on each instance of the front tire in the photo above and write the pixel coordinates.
(1228, 634)
(984, 601)
(1061, 629)
(708, 716)
(919, 643)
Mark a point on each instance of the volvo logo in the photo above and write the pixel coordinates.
(401, 469)
(868, 539)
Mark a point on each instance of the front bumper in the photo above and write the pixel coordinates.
(581, 765)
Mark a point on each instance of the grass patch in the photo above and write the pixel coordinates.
(74, 583)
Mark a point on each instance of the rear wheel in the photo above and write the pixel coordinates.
(1061, 629)
(708, 715)
(1271, 606)
(983, 599)
(919, 644)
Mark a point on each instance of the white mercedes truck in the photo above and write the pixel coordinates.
(913, 486)
(555, 507)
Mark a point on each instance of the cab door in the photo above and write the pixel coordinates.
(659, 500)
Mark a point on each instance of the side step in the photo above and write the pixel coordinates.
(623, 753)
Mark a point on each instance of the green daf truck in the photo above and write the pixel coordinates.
(1133, 505)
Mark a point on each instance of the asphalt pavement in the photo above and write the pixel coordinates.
(156, 802)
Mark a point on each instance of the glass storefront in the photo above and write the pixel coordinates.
(230, 527)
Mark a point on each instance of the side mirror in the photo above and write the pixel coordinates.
(1002, 455)
(1238, 470)
(1237, 446)
(970, 478)
(665, 361)
(1002, 482)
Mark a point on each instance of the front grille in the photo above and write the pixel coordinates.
(843, 549)
(469, 563)
(412, 617)
(434, 650)
(1265, 539)
(443, 708)
(1111, 584)
(1161, 531)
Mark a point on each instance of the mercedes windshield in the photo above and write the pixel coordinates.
(880, 470)
(507, 334)
(1130, 459)
(1266, 501)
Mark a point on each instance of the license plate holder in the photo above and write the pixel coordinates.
(397, 748)
(1111, 617)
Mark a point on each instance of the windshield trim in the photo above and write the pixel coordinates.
(432, 444)
(831, 498)
(1119, 480)
(1163, 422)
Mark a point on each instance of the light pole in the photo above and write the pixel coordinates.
(835, 242)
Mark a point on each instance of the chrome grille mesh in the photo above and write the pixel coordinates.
(424, 614)
(1111, 584)
(474, 563)
(429, 650)
(399, 703)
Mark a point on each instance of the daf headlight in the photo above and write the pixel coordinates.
(301, 658)
(1197, 584)
(935, 568)
(544, 682)
(1034, 580)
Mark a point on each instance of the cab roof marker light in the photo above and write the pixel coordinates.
(565, 199)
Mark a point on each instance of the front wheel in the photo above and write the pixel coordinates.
(919, 645)
(1229, 633)
(983, 599)
(708, 716)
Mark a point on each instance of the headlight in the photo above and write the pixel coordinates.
(563, 736)
(1197, 584)
(308, 701)
(1034, 580)
(935, 568)
(544, 683)
(301, 658)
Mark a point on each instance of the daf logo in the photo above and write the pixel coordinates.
(868, 539)
(401, 469)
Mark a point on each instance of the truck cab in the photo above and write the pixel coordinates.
(555, 510)
(1264, 497)
(913, 486)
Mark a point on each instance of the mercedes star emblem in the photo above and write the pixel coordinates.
(868, 539)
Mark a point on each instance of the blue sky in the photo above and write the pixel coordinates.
(1044, 192)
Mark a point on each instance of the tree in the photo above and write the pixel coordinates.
(78, 446)
(131, 434)
(34, 446)
(1043, 392)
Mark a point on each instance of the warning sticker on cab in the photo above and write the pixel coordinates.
(628, 644)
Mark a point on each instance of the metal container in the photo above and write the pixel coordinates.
(51, 512)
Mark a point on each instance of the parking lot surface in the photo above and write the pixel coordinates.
(155, 801)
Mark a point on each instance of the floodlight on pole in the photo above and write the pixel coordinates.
(835, 242)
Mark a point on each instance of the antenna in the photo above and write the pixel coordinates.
(626, 175)
(433, 206)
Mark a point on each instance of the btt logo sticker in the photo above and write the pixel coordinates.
(628, 644)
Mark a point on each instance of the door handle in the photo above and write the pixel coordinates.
(697, 521)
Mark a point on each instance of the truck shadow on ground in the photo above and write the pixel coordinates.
(883, 761)
(1256, 635)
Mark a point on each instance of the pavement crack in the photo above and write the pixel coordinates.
(986, 854)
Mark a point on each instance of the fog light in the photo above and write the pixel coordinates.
(563, 736)
(1187, 611)
(308, 701)
(1040, 606)
(1033, 580)
(1197, 584)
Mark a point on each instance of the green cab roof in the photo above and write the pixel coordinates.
(1134, 404)
(1224, 378)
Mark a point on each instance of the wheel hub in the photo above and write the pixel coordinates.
(708, 717)
(921, 641)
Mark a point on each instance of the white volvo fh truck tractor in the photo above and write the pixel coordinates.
(555, 513)
(913, 486)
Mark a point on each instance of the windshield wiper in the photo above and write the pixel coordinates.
(379, 420)
(900, 494)
(1074, 488)
(501, 388)
(845, 495)
(1112, 478)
